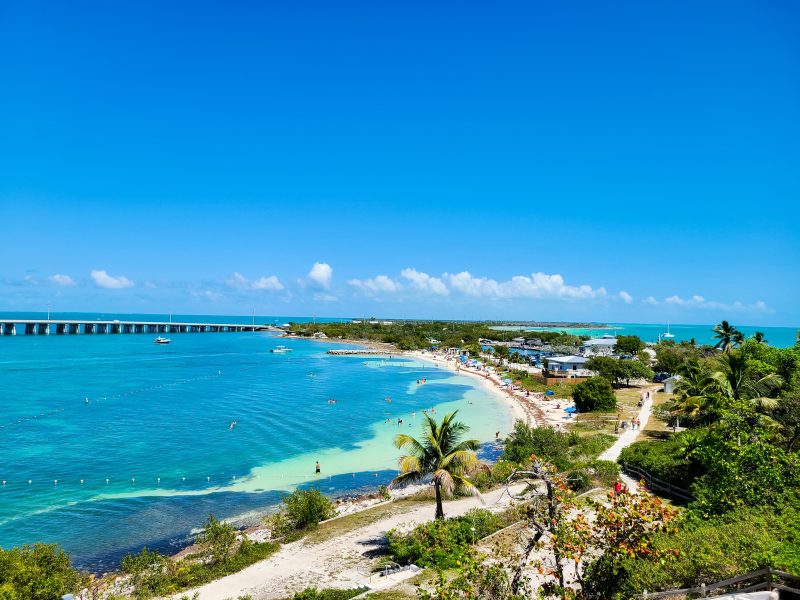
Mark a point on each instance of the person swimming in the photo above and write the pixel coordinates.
(232, 425)
(318, 469)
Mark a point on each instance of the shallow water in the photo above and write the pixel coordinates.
(151, 453)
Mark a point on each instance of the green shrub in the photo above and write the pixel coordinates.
(669, 460)
(578, 480)
(498, 473)
(302, 509)
(443, 543)
(588, 448)
(603, 472)
(594, 394)
(151, 573)
(545, 442)
(38, 572)
(217, 540)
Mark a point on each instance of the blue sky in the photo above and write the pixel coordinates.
(618, 161)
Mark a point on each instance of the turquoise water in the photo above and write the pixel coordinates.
(151, 453)
(780, 337)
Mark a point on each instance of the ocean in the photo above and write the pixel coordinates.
(780, 337)
(109, 443)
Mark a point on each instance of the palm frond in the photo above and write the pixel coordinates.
(445, 481)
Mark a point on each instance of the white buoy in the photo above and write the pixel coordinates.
(29, 482)
(208, 478)
(81, 481)
(55, 481)
(106, 481)
(183, 478)
(4, 482)
(133, 479)
(158, 480)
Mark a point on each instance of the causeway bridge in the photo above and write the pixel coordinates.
(74, 327)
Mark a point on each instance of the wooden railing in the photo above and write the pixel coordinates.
(768, 579)
(656, 484)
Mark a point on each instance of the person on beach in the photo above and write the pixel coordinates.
(617, 487)
(317, 467)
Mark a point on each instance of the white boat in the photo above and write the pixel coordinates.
(281, 350)
(668, 334)
(161, 340)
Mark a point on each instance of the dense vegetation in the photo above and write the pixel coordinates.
(414, 335)
(738, 456)
(301, 510)
(445, 543)
(619, 371)
(38, 572)
(594, 394)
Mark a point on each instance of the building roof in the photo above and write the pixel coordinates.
(601, 341)
(567, 359)
(673, 379)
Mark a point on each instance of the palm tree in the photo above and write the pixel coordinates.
(441, 455)
(694, 390)
(727, 335)
(759, 337)
(735, 380)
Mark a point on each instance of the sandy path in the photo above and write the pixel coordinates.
(344, 561)
(629, 436)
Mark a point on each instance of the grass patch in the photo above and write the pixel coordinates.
(362, 518)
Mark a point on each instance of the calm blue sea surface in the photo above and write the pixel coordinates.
(151, 452)
(781, 337)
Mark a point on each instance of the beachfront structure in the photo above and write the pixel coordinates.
(670, 383)
(320, 335)
(602, 346)
(73, 327)
(569, 366)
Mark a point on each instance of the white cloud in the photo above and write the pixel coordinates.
(626, 297)
(424, 282)
(376, 285)
(240, 282)
(60, 279)
(104, 280)
(267, 283)
(321, 275)
(537, 285)
(698, 301)
(650, 300)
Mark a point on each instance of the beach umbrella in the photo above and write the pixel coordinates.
(506, 380)
(518, 382)
(571, 410)
(550, 393)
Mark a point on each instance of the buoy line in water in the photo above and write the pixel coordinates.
(131, 482)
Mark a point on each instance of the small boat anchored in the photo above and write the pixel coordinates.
(668, 335)
(161, 340)
(280, 350)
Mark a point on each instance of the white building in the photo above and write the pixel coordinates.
(576, 365)
(670, 382)
(602, 346)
